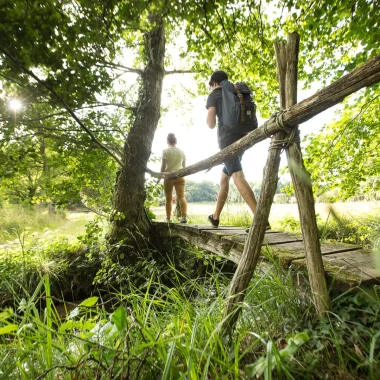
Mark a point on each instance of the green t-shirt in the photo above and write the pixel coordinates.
(174, 158)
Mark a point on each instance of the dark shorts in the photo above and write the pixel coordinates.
(234, 164)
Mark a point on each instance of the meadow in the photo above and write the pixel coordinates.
(18, 222)
(199, 210)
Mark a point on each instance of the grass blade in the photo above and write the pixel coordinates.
(166, 374)
(372, 353)
(269, 361)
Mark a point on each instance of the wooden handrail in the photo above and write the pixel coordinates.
(364, 76)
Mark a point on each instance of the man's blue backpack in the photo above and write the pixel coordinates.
(238, 108)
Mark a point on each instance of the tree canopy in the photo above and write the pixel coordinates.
(78, 69)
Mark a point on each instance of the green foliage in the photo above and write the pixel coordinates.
(45, 154)
(69, 264)
(153, 192)
(238, 37)
(174, 332)
(204, 191)
(361, 230)
(242, 218)
(345, 155)
(266, 363)
(289, 223)
(57, 40)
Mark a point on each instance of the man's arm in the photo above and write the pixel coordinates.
(211, 117)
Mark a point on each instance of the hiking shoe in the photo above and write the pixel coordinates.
(183, 219)
(268, 228)
(166, 220)
(214, 222)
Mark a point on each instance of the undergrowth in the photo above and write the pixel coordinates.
(173, 332)
(162, 319)
(70, 265)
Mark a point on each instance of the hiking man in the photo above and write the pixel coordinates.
(232, 168)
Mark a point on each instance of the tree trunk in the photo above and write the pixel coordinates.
(129, 219)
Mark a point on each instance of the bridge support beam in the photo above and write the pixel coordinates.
(287, 61)
(303, 189)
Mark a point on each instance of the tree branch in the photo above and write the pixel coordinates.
(139, 72)
(169, 72)
(362, 109)
(95, 211)
(133, 109)
(124, 68)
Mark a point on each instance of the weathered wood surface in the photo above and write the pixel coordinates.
(303, 189)
(347, 269)
(351, 264)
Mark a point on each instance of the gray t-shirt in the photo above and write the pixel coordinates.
(225, 138)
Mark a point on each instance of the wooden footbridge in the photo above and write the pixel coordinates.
(345, 265)
(246, 249)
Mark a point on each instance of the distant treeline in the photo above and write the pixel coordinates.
(207, 191)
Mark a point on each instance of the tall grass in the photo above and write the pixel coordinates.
(238, 218)
(169, 332)
(69, 264)
(16, 219)
(167, 325)
(361, 230)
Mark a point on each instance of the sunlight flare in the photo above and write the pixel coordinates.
(15, 105)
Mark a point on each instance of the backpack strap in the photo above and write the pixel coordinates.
(241, 100)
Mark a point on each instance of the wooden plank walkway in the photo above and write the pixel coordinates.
(345, 265)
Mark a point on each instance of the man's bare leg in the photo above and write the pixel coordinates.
(223, 195)
(245, 190)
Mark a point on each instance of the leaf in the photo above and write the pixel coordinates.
(89, 302)
(257, 368)
(68, 325)
(166, 373)
(119, 318)
(8, 329)
(269, 361)
(301, 338)
(294, 344)
(5, 314)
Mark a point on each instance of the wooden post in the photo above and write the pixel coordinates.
(287, 65)
(303, 190)
(252, 247)
(280, 50)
